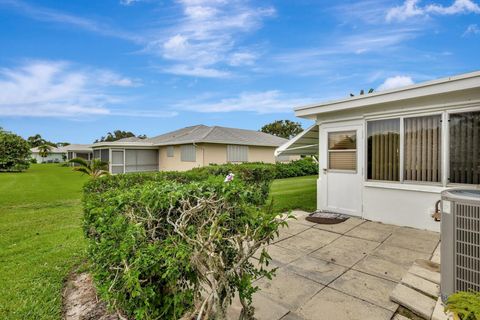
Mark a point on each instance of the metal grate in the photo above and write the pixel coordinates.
(467, 247)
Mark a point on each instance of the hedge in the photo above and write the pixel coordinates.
(148, 269)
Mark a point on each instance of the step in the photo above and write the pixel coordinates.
(413, 300)
(420, 284)
(439, 314)
(427, 270)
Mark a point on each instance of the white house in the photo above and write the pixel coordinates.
(386, 156)
(54, 155)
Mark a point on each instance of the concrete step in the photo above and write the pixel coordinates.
(427, 270)
(413, 300)
(420, 284)
(439, 314)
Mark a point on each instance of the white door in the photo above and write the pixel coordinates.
(340, 169)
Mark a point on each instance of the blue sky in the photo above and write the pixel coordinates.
(74, 70)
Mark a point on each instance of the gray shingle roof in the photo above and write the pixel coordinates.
(216, 134)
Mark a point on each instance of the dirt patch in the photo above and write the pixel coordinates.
(80, 301)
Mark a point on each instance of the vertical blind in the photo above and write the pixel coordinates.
(237, 153)
(465, 148)
(170, 151)
(383, 152)
(422, 153)
(342, 150)
(188, 153)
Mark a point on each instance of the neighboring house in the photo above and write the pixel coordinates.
(386, 156)
(83, 151)
(55, 155)
(188, 148)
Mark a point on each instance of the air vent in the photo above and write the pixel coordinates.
(460, 247)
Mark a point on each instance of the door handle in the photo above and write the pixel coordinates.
(325, 170)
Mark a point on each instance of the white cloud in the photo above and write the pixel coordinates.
(272, 101)
(395, 82)
(59, 89)
(206, 36)
(472, 29)
(128, 2)
(411, 8)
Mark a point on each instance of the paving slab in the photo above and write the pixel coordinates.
(439, 313)
(292, 316)
(265, 309)
(374, 231)
(288, 289)
(436, 254)
(321, 236)
(294, 227)
(422, 285)
(399, 317)
(414, 239)
(317, 270)
(341, 227)
(413, 300)
(389, 262)
(366, 287)
(345, 251)
(301, 244)
(332, 304)
(281, 256)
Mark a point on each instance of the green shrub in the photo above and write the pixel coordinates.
(303, 167)
(465, 304)
(14, 152)
(154, 238)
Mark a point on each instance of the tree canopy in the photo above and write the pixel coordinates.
(14, 152)
(283, 128)
(37, 141)
(119, 134)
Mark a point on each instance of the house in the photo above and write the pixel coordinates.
(83, 151)
(55, 155)
(386, 156)
(188, 148)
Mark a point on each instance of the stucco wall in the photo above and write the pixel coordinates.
(50, 157)
(210, 154)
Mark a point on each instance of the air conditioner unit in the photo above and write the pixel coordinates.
(460, 241)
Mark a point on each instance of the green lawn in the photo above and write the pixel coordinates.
(295, 193)
(40, 239)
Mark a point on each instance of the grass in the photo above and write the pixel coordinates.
(40, 239)
(295, 193)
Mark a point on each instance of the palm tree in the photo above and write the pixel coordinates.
(94, 168)
(44, 150)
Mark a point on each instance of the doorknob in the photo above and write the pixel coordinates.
(325, 170)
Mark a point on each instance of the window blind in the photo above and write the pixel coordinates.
(170, 151)
(465, 148)
(383, 150)
(188, 153)
(342, 150)
(422, 149)
(237, 153)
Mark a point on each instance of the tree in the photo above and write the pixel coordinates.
(283, 128)
(14, 152)
(117, 135)
(37, 141)
(362, 92)
(94, 168)
(62, 144)
(44, 150)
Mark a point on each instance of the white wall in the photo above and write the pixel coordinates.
(50, 157)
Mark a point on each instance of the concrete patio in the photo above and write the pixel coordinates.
(342, 271)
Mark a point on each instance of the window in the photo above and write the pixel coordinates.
(139, 160)
(342, 150)
(465, 148)
(117, 161)
(383, 150)
(422, 149)
(170, 151)
(96, 154)
(237, 153)
(188, 153)
(104, 156)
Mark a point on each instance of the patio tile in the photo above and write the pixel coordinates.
(345, 251)
(332, 304)
(389, 262)
(295, 227)
(366, 287)
(341, 227)
(281, 256)
(300, 244)
(413, 239)
(288, 289)
(320, 271)
(322, 237)
(374, 231)
(292, 316)
(265, 309)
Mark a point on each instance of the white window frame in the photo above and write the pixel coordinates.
(183, 155)
(344, 150)
(445, 152)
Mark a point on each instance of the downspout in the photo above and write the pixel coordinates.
(203, 153)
